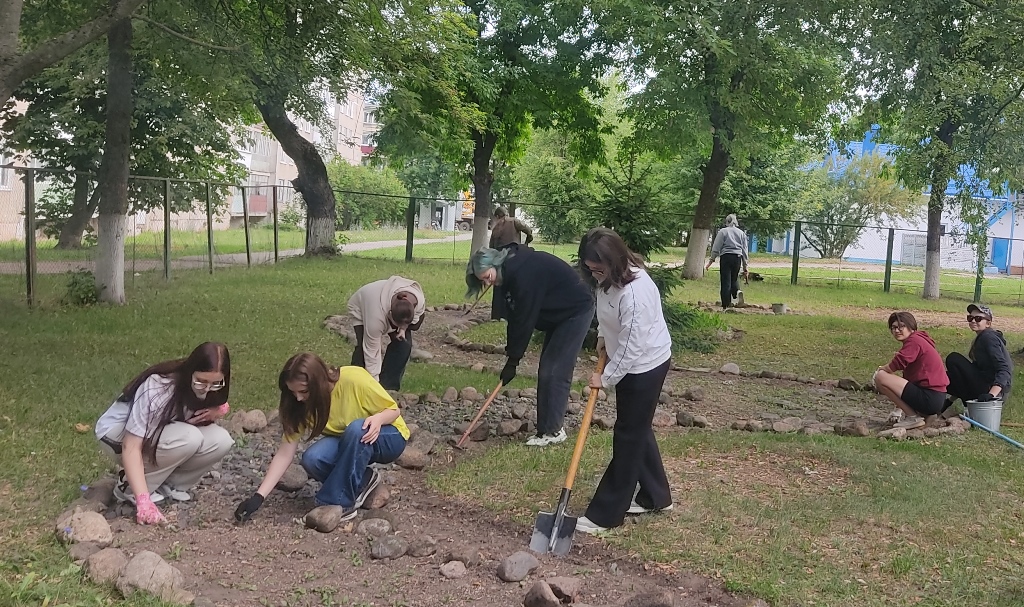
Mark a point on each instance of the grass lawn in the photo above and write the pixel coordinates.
(796, 520)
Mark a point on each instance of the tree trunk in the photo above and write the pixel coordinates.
(483, 179)
(714, 174)
(114, 167)
(312, 181)
(941, 174)
(16, 67)
(83, 205)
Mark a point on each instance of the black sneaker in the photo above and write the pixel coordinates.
(368, 488)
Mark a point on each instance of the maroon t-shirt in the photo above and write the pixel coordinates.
(921, 363)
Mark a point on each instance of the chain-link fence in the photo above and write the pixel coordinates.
(178, 225)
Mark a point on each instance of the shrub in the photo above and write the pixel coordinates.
(81, 289)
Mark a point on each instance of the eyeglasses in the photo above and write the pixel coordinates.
(975, 318)
(209, 387)
(897, 328)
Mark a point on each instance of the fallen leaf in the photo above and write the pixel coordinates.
(82, 428)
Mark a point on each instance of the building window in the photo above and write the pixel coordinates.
(285, 191)
(368, 138)
(369, 117)
(264, 145)
(5, 173)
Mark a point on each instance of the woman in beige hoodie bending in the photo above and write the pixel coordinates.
(384, 313)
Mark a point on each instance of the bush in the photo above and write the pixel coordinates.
(81, 289)
(692, 329)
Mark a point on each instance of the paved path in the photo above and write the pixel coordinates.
(200, 261)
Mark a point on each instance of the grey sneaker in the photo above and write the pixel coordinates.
(176, 495)
(123, 494)
(910, 423)
(635, 508)
(585, 525)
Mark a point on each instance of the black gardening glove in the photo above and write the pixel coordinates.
(248, 508)
(509, 372)
(986, 397)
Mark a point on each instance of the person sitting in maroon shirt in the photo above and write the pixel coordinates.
(922, 389)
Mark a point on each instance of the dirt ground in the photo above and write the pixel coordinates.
(275, 561)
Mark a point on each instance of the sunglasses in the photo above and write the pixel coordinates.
(975, 318)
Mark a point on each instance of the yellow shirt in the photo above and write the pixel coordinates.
(357, 396)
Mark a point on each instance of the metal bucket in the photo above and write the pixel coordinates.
(987, 414)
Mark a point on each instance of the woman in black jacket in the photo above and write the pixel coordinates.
(542, 292)
(986, 372)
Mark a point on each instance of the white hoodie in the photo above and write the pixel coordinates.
(633, 326)
(369, 307)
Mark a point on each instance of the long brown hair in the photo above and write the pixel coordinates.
(601, 245)
(207, 357)
(312, 413)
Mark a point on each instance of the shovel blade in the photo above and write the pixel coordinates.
(544, 530)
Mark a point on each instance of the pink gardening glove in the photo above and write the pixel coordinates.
(146, 512)
(223, 410)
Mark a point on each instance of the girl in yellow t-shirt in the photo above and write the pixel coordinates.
(360, 424)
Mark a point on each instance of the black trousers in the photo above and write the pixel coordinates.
(729, 268)
(966, 382)
(396, 357)
(635, 455)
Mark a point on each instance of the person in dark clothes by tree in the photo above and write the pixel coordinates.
(545, 293)
(986, 372)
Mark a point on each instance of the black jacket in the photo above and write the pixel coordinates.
(992, 359)
(541, 291)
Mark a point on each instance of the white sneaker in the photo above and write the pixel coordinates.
(635, 508)
(585, 525)
(176, 495)
(547, 439)
(739, 298)
(910, 423)
(895, 416)
(121, 494)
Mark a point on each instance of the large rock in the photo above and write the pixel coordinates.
(479, 433)
(80, 552)
(528, 393)
(324, 519)
(848, 383)
(148, 572)
(730, 369)
(469, 393)
(374, 527)
(450, 395)
(695, 393)
(663, 420)
(893, 433)
(700, 421)
(783, 427)
(422, 440)
(567, 589)
(102, 491)
(540, 595)
(422, 545)
(453, 570)
(521, 411)
(656, 598)
(421, 355)
(467, 555)
(254, 421)
(85, 527)
(477, 368)
(378, 498)
(413, 459)
(388, 547)
(516, 567)
(509, 427)
(105, 565)
(685, 419)
(294, 478)
(854, 428)
(604, 422)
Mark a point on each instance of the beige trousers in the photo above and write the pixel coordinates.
(183, 455)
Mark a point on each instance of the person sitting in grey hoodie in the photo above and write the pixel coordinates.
(986, 372)
(731, 245)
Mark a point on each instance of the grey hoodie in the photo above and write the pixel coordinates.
(730, 239)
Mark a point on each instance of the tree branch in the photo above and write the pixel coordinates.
(176, 34)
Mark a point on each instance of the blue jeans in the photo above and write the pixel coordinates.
(340, 462)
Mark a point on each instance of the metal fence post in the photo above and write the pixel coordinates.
(410, 219)
(888, 260)
(245, 225)
(796, 254)
(167, 229)
(209, 226)
(277, 237)
(30, 236)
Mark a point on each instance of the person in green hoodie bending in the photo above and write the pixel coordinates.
(922, 389)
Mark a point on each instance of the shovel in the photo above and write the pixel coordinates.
(478, 298)
(472, 424)
(553, 530)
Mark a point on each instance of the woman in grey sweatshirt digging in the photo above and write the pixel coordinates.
(731, 246)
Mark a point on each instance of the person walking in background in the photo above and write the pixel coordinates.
(359, 422)
(922, 389)
(986, 373)
(504, 231)
(633, 333)
(161, 431)
(384, 314)
(731, 246)
(545, 293)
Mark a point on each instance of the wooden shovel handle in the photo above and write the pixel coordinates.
(479, 413)
(581, 438)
